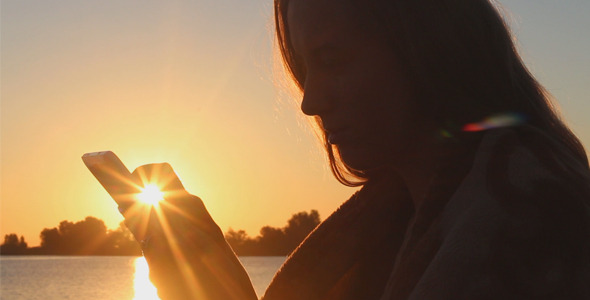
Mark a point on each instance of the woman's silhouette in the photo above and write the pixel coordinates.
(472, 187)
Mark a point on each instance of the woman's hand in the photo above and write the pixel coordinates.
(185, 249)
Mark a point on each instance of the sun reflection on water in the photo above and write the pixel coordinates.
(143, 287)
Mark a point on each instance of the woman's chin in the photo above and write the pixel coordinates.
(361, 158)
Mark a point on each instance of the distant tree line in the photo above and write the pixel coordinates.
(91, 237)
(87, 237)
(14, 245)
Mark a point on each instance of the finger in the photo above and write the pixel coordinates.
(138, 218)
(143, 217)
(160, 174)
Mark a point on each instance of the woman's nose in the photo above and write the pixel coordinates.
(315, 100)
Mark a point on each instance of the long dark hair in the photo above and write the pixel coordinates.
(463, 52)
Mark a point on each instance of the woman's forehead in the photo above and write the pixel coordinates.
(313, 22)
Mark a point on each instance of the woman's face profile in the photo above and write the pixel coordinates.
(352, 82)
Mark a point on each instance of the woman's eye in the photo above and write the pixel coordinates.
(327, 58)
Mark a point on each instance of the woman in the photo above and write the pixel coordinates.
(472, 186)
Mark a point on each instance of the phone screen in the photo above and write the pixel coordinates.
(112, 175)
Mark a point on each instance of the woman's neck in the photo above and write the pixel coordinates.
(422, 165)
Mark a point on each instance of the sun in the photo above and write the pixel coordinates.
(150, 194)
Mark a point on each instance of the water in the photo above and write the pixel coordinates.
(70, 277)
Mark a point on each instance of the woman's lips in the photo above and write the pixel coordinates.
(332, 138)
(340, 134)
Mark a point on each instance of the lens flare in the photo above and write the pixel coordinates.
(150, 194)
(496, 121)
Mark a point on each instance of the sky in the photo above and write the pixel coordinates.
(195, 84)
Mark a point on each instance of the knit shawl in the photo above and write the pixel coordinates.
(511, 222)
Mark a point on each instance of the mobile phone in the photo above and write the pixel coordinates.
(113, 176)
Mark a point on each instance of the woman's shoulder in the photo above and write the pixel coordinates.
(520, 166)
(520, 158)
(523, 214)
(525, 171)
(521, 175)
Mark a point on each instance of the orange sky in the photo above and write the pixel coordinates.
(190, 83)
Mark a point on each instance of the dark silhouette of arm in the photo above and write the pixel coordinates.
(186, 251)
